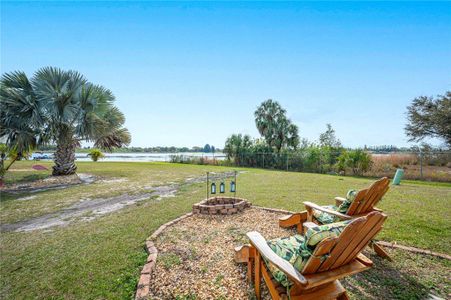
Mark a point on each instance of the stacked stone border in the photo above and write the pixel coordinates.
(143, 288)
(221, 206)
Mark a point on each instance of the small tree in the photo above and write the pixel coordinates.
(11, 154)
(95, 154)
(328, 138)
(236, 145)
(429, 117)
(4, 154)
(207, 148)
(330, 146)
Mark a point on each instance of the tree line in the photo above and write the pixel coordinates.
(279, 145)
(157, 149)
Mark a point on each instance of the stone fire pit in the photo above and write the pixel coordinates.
(221, 206)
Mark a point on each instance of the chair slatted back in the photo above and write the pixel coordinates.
(366, 199)
(335, 252)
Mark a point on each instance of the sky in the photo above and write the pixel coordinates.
(187, 74)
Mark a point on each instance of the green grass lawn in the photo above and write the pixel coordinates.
(101, 259)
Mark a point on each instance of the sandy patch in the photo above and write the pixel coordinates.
(89, 209)
(26, 198)
(113, 180)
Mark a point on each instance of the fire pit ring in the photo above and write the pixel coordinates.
(221, 206)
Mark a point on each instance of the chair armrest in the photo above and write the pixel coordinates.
(365, 214)
(309, 206)
(259, 242)
(293, 219)
(308, 225)
(339, 200)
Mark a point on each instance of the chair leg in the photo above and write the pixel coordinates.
(258, 273)
(245, 254)
(249, 270)
(380, 251)
(343, 296)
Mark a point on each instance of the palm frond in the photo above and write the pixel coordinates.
(114, 139)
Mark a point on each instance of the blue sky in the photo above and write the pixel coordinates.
(189, 74)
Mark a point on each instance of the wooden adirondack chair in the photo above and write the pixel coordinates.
(364, 203)
(332, 259)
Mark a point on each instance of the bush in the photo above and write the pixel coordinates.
(342, 161)
(95, 154)
(357, 160)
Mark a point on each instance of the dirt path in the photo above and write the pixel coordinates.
(87, 210)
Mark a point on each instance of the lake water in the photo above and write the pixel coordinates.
(139, 157)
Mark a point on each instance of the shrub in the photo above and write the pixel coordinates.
(341, 164)
(357, 160)
(95, 154)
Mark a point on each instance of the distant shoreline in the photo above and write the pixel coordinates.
(131, 156)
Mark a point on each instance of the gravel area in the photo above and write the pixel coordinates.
(195, 259)
(195, 262)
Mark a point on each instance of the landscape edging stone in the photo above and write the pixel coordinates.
(143, 288)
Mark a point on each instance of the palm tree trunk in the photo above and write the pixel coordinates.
(65, 156)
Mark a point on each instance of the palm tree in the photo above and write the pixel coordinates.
(273, 124)
(20, 122)
(65, 109)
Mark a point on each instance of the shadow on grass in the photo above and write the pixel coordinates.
(27, 178)
(386, 280)
(4, 197)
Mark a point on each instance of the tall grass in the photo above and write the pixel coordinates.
(198, 160)
(396, 160)
(434, 167)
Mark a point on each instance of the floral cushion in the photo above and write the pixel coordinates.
(344, 206)
(316, 234)
(325, 218)
(294, 250)
(297, 249)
